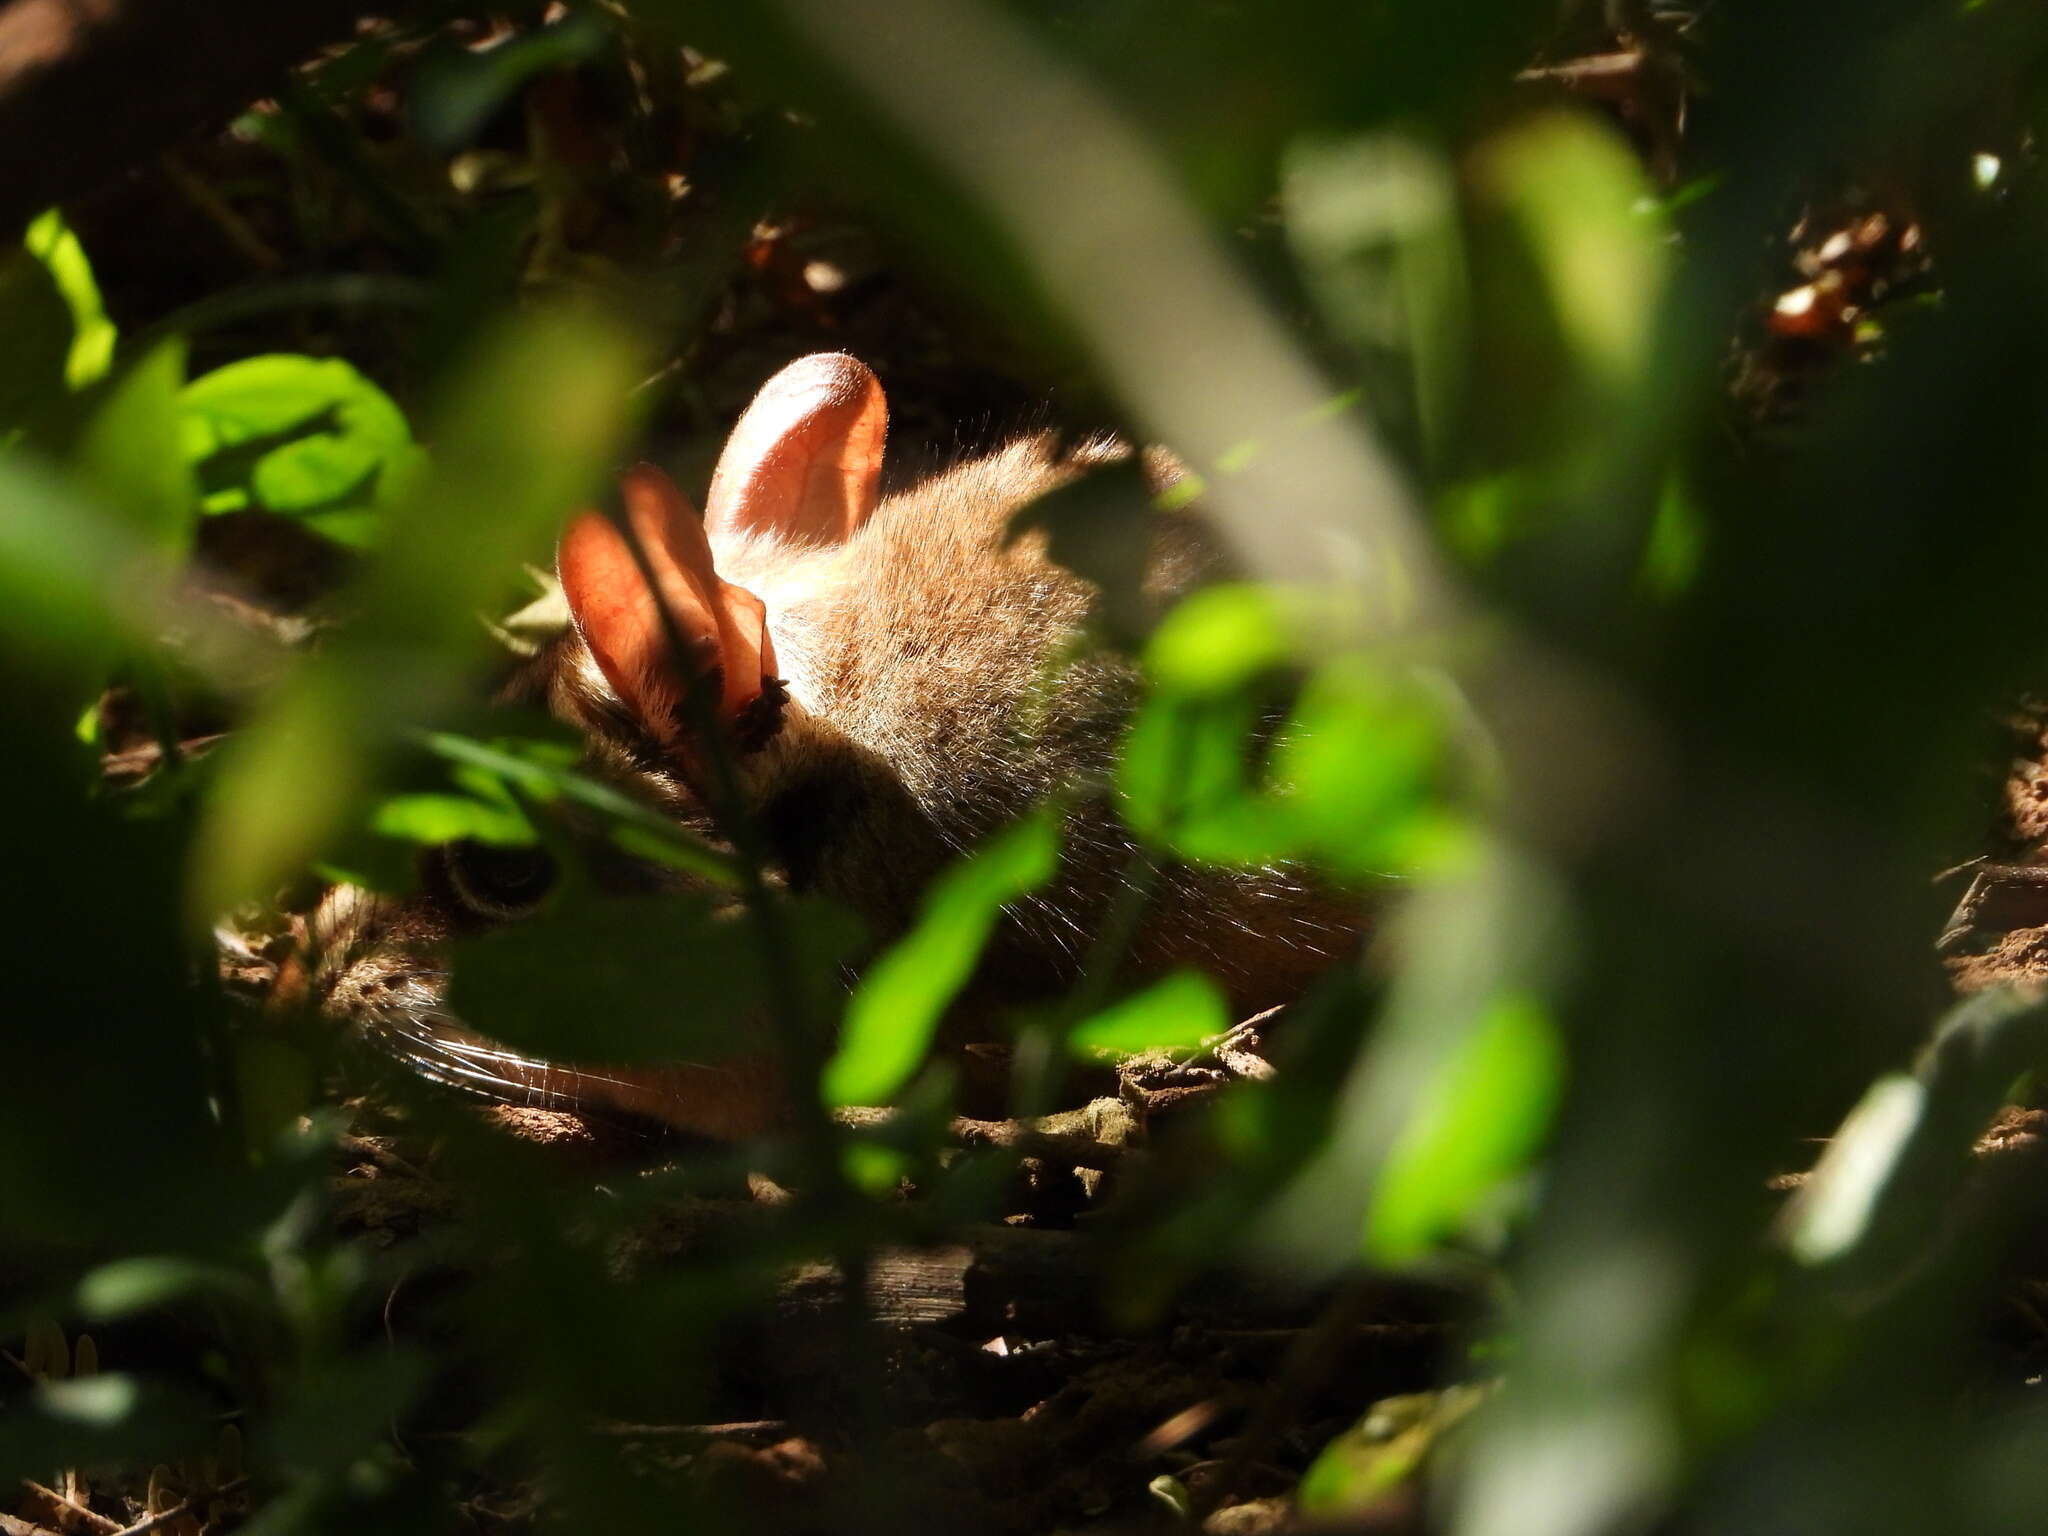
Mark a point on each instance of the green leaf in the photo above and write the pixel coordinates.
(286, 785)
(1098, 526)
(128, 450)
(100, 1420)
(39, 333)
(139, 1284)
(302, 436)
(1581, 200)
(1678, 535)
(1176, 1013)
(276, 1083)
(643, 979)
(545, 771)
(896, 1009)
(432, 818)
(74, 581)
(874, 1168)
(1374, 221)
(527, 427)
(1183, 778)
(1386, 1448)
(1363, 759)
(1473, 1128)
(91, 353)
(458, 88)
(1218, 639)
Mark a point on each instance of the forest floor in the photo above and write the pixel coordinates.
(1005, 1400)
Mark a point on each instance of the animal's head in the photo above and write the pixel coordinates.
(682, 647)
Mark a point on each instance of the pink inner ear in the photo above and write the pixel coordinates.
(805, 462)
(722, 627)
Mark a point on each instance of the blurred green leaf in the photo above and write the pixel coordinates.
(1099, 527)
(1386, 1448)
(459, 88)
(128, 450)
(1374, 222)
(143, 1282)
(340, 1418)
(1472, 1129)
(613, 981)
(430, 818)
(1175, 1013)
(75, 582)
(1185, 784)
(102, 1419)
(276, 1083)
(286, 785)
(1678, 535)
(1218, 639)
(91, 352)
(39, 332)
(305, 437)
(1581, 200)
(873, 1168)
(1364, 758)
(526, 427)
(896, 1009)
(1172, 1493)
(1357, 774)
(544, 771)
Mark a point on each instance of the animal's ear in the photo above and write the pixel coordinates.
(804, 464)
(722, 629)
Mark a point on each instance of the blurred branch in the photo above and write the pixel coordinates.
(1891, 1174)
(91, 87)
(1121, 254)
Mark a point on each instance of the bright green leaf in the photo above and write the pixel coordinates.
(1176, 1013)
(50, 240)
(128, 450)
(430, 818)
(1581, 197)
(528, 425)
(1473, 1127)
(1385, 1449)
(545, 771)
(1218, 639)
(873, 1167)
(302, 436)
(138, 1284)
(1184, 766)
(894, 1013)
(1362, 759)
(39, 333)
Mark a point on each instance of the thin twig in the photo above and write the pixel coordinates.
(1217, 1044)
(235, 229)
(94, 1518)
(182, 1507)
(753, 1431)
(1597, 74)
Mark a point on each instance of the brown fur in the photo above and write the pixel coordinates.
(930, 700)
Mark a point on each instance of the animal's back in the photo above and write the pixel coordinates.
(895, 678)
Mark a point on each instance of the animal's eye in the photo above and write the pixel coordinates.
(498, 882)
